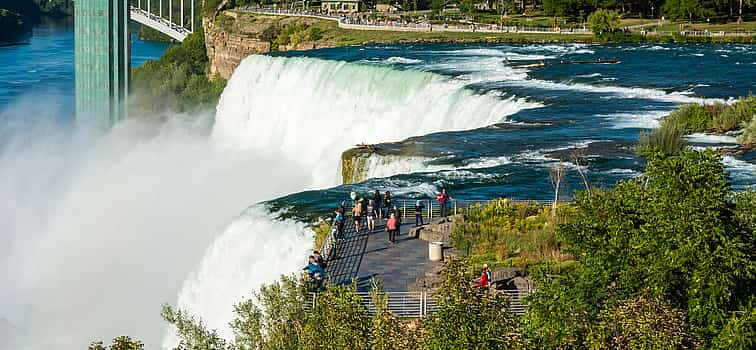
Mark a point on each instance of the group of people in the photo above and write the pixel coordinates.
(314, 272)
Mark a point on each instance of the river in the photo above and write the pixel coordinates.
(95, 234)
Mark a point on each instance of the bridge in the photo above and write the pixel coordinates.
(159, 15)
(102, 61)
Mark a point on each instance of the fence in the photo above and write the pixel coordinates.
(421, 304)
(391, 25)
(432, 208)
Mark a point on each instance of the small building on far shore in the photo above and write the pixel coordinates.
(341, 6)
(388, 8)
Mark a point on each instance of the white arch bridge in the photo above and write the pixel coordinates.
(174, 18)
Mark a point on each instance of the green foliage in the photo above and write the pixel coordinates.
(685, 9)
(667, 139)
(273, 319)
(736, 116)
(745, 209)
(467, 319)
(119, 343)
(387, 332)
(505, 233)
(643, 322)
(339, 318)
(192, 334)
(740, 330)
(749, 134)
(603, 21)
(674, 234)
(177, 82)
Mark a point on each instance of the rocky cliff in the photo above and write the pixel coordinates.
(233, 35)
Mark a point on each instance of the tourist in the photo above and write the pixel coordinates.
(443, 198)
(398, 215)
(340, 219)
(371, 214)
(419, 207)
(314, 273)
(357, 216)
(485, 278)
(319, 259)
(378, 200)
(386, 203)
(392, 226)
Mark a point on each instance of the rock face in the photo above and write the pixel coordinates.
(438, 230)
(226, 47)
(232, 35)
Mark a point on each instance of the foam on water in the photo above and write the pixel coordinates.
(306, 112)
(645, 120)
(711, 138)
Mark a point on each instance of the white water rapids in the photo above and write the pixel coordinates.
(99, 233)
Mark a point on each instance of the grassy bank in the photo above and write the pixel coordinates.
(718, 118)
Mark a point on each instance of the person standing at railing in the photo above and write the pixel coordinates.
(443, 198)
(378, 200)
(419, 208)
(371, 214)
(357, 215)
(386, 204)
(340, 218)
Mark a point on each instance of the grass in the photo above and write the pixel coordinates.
(749, 26)
(511, 234)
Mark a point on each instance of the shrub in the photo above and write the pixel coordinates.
(643, 322)
(667, 139)
(603, 21)
(736, 116)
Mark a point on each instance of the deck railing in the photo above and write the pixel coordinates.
(421, 304)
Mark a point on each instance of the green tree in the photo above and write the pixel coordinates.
(468, 319)
(673, 233)
(119, 343)
(192, 333)
(676, 9)
(603, 21)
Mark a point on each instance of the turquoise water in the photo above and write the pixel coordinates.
(598, 111)
(44, 66)
(172, 203)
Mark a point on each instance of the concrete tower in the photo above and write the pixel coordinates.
(102, 62)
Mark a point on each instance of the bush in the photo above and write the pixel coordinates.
(667, 139)
(675, 233)
(736, 116)
(603, 21)
(643, 322)
(749, 134)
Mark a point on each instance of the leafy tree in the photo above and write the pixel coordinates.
(468, 319)
(339, 318)
(643, 322)
(192, 333)
(387, 332)
(677, 9)
(119, 343)
(603, 21)
(673, 233)
(274, 319)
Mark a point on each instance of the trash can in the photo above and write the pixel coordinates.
(435, 251)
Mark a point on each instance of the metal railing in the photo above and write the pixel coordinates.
(421, 304)
(349, 22)
(432, 208)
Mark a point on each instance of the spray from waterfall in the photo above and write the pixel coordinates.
(96, 234)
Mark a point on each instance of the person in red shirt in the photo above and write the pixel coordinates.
(485, 278)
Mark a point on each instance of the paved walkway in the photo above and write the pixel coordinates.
(370, 255)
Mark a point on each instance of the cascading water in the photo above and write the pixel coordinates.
(307, 111)
(99, 233)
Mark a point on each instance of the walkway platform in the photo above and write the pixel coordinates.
(370, 255)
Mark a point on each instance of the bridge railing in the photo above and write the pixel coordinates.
(422, 304)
